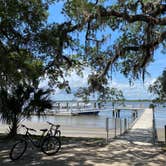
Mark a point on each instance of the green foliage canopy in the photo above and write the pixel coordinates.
(158, 88)
(104, 35)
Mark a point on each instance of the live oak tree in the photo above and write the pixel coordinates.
(138, 24)
(21, 69)
(103, 35)
(158, 88)
(114, 36)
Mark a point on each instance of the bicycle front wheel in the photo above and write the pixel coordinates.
(51, 145)
(18, 150)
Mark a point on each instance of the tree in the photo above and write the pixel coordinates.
(21, 68)
(158, 88)
(20, 94)
(138, 24)
(21, 102)
(102, 35)
(90, 30)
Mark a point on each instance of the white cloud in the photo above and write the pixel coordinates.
(138, 90)
(76, 81)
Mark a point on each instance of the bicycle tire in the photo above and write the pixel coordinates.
(18, 150)
(51, 145)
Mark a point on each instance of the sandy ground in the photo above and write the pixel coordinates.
(124, 151)
(67, 131)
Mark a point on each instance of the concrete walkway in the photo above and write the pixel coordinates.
(141, 132)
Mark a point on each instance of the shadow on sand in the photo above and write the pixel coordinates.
(89, 152)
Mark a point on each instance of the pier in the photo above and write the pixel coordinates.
(92, 107)
(142, 131)
(74, 108)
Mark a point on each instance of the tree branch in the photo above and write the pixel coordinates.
(134, 18)
(120, 51)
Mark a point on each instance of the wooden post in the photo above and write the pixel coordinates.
(94, 104)
(136, 114)
(133, 115)
(128, 123)
(125, 124)
(59, 106)
(77, 104)
(115, 127)
(99, 105)
(67, 106)
(154, 128)
(113, 113)
(118, 113)
(107, 129)
(120, 126)
(165, 133)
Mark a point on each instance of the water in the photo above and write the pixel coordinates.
(93, 121)
(98, 121)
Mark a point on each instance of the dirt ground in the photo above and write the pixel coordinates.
(88, 152)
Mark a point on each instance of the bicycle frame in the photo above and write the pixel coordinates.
(37, 144)
(54, 130)
(48, 144)
(49, 132)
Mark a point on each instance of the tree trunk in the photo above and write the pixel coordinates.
(14, 126)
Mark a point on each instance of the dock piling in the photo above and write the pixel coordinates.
(120, 126)
(125, 124)
(107, 129)
(165, 133)
(115, 127)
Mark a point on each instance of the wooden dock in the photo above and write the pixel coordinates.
(145, 121)
(142, 131)
(129, 108)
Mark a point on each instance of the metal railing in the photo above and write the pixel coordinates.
(118, 126)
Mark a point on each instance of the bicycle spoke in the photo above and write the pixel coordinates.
(51, 145)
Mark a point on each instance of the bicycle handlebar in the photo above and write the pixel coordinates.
(27, 128)
(51, 124)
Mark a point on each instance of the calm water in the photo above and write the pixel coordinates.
(93, 121)
(99, 121)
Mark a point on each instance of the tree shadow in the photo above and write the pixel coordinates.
(88, 152)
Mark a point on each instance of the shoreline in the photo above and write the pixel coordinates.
(66, 131)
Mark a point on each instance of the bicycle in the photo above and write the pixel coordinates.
(54, 130)
(49, 143)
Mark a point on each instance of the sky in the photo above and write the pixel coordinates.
(137, 91)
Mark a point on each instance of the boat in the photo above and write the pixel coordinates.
(75, 108)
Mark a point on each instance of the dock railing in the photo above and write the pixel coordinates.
(118, 126)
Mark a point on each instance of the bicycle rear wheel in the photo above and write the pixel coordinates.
(51, 145)
(18, 150)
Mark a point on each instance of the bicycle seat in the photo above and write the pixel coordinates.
(57, 126)
(44, 130)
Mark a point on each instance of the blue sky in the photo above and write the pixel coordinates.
(137, 91)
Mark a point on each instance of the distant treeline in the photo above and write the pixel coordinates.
(137, 100)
